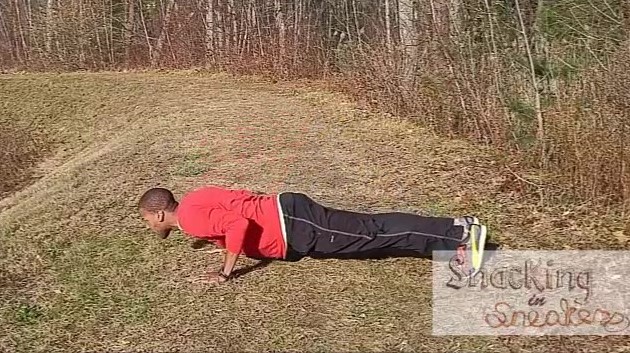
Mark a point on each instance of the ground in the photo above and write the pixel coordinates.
(79, 271)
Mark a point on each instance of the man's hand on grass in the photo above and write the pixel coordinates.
(213, 277)
(224, 274)
(218, 277)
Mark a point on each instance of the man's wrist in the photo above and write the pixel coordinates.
(225, 276)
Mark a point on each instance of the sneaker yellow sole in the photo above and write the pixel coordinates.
(478, 243)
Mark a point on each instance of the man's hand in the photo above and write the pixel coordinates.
(223, 275)
(214, 277)
(218, 277)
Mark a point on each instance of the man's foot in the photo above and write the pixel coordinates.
(472, 248)
(466, 221)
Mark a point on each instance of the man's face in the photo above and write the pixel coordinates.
(155, 222)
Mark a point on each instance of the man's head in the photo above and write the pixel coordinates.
(157, 206)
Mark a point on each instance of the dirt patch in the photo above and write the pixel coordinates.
(20, 151)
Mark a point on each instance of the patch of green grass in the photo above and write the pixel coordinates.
(28, 314)
(101, 280)
(438, 208)
(7, 231)
(137, 309)
(489, 214)
(192, 166)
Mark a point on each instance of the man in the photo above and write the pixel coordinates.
(289, 226)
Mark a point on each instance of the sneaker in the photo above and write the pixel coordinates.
(477, 239)
(474, 244)
(466, 221)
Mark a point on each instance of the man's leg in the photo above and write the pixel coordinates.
(319, 231)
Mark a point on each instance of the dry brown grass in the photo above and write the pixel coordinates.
(78, 270)
(20, 151)
(585, 119)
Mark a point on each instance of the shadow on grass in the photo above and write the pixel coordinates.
(262, 263)
(376, 254)
(380, 254)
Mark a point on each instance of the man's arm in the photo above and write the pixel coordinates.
(229, 262)
(234, 226)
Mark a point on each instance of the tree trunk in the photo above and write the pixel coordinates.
(388, 30)
(110, 40)
(220, 32)
(5, 36)
(308, 31)
(257, 19)
(159, 46)
(129, 29)
(296, 31)
(29, 18)
(347, 21)
(20, 31)
(210, 30)
(234, 37)
(81, 36)
(281, 32)
(146, 32)
(540, 134)
(97, 36)
(455, 17)
(251, 44)
(244, 28)
(49, 26)
(4, 33)
(168, 37)
(356, 23)
(408, 40)
(625, 20)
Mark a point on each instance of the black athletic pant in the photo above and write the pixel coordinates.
(322, 232)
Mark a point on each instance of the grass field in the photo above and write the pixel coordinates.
(80, 272)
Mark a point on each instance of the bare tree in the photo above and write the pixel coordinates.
(297, 15)
(281, 31)
(408, 40)
(256, 18)
(21, 48)
(146, 32)
(210, 28)
(129, 28)
(159, 46)
(459, 65)
(540, 135)
(388, 29)
(50, 25)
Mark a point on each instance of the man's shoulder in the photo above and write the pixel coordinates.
(203, 191)
(220, 191)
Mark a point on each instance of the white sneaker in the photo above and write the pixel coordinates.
(466, 221)
(474, 244)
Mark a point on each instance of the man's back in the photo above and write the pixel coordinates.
(208, 212)
(242, 201)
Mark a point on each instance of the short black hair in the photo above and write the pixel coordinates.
(157, 199)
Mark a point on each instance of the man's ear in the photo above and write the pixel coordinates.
(160, 216)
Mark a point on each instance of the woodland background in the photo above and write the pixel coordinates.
(545, 82)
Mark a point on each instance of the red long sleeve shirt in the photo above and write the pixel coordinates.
(238, 220)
